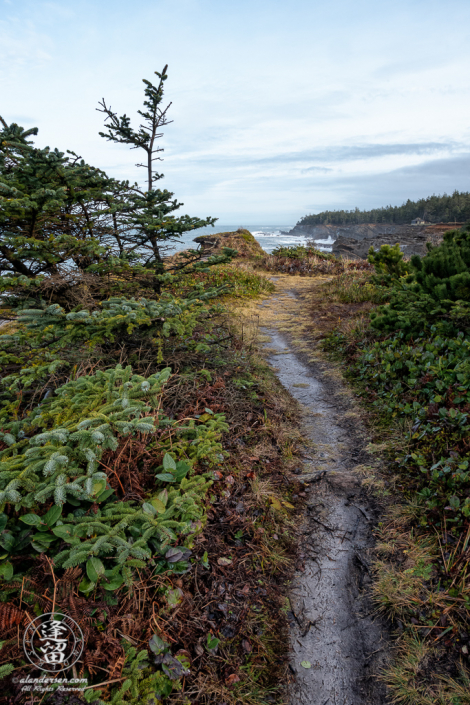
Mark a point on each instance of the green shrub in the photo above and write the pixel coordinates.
(54, 454)
(436, 292)
(428, 382)
(354, 287)
(141, 686)
(301, 252)
(228, 279)
(388, 263)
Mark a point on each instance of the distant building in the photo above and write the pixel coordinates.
(418, 221)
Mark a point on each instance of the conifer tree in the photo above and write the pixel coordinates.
(62, 220)
(437, 291)
(148, 214)
(53, 211)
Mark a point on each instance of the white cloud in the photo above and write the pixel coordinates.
(276, 107)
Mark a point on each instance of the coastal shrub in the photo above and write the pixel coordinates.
(54, 454)
(422, 371)
(246, 235)
(301, 260)
(301, 252)
(86, 290)
(424, 383)
(354, 287)
(435, 293)
(388, 263)
(48, 341)
(227, 279)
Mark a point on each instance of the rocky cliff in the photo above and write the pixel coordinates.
(355, 240)
(241, 240)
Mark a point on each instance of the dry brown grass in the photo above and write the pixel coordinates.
(413, 682)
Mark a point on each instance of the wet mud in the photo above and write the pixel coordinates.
(337, 641)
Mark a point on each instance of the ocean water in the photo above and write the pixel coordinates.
(268, 236)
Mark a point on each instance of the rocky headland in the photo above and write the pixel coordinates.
(354, 241)
(240, 240)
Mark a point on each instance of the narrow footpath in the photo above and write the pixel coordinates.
(338, 643)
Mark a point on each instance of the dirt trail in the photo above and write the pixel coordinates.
(334, 630)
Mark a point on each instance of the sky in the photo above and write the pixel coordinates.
(279, 109)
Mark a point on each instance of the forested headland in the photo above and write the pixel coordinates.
(433, 209)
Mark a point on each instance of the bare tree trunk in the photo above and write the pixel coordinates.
(149, 168)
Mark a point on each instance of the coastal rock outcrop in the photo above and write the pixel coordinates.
(240, 240)
(354, 241)
(411, 238)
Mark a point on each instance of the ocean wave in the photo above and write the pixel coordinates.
(328, 241)
(268, 236)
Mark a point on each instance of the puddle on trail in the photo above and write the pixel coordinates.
(331, 626)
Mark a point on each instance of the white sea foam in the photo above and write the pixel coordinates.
(268, 236)
(328, 241)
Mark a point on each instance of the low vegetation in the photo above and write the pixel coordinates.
(410, 366)
(144, 448)
(305, 261)
(354, 286)
(236, 279)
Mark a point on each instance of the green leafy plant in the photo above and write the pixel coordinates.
(63, 464)
(212, 643)
(141, 684)
(77, 427)
(301, 252)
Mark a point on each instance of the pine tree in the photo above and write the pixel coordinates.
(52, 212)
(147, 215)
(66, 228)
(436, 293)
(388, 263)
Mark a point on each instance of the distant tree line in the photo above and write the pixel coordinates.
(434, 209)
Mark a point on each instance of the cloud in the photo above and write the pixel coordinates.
(316, 170)
(22, 49)
(443, 169)
(396, 68)
(360, 152)
(285, 197)
(56, 9)
(329, 154)
(269, 119)
(366, 191)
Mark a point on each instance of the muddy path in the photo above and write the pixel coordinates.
(337, 642)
